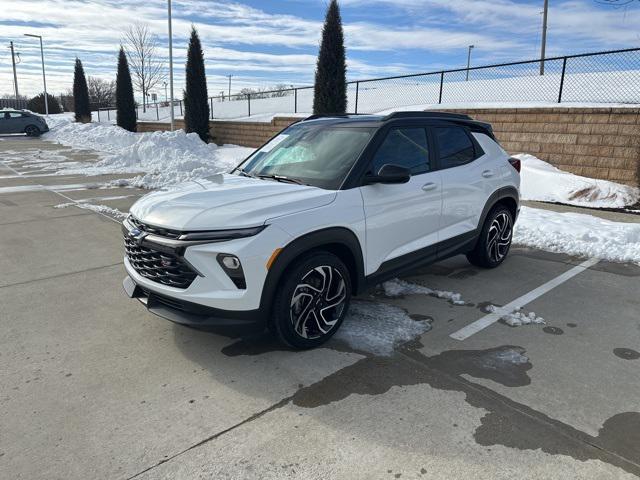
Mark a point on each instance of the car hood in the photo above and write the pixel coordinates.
(226, 201)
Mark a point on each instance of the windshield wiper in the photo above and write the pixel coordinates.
(244, 173)
(282, 178)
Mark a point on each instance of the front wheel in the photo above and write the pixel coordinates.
(312, 300)
(32, 131)
(495, 239)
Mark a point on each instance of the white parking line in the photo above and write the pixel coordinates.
(520, 302)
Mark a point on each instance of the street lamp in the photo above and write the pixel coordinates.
(44, 79)
(170, 65)
(471, 47)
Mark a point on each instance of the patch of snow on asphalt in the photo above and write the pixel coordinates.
(160, 158)
(112, 212)
(543, 182)
(377, 327)
(398, 288)
(518, 318)
(578, 234)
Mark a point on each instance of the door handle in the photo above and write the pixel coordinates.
(429, 186)
(487, 173)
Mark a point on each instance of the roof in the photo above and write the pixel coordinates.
(377, 120)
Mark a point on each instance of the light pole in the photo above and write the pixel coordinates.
(165, 92)
(471, 47)
(44, 78)
(544, 35)
(171, 65)
(15, 75)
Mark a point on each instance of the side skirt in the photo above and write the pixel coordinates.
(423, 258)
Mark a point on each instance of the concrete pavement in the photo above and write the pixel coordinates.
(93, 386)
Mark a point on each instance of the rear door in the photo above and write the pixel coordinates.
(402, 219)
(466, 179)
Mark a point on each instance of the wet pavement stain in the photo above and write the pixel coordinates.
(507, 423)
(572, 325)
(626, 353)
(553, 330)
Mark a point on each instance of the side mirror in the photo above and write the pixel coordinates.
(389, 173)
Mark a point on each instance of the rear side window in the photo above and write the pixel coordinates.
(16, 115)
(455, 146)
(406, 147)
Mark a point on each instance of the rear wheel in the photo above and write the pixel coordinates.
(495, 239)
(32, 131)
(312, 300)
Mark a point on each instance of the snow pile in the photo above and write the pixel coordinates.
(518, 318)
(543, 182)
(398, 288)
(161, 158)
(377, 328)
(103, 209)
(578, 234)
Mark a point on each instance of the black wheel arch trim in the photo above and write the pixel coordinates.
(509, 192)
(311, 241)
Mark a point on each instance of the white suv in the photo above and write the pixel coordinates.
(330, 206)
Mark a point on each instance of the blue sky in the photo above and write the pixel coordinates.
(268, 42)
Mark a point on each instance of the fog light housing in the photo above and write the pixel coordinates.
(233, 268)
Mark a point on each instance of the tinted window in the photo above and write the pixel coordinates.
(406, 147)
(16, 115)
(455, 146)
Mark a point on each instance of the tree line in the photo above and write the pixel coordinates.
(330, 88)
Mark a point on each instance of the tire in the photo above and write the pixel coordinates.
(32, 131)
(495, 239)
(312, 300)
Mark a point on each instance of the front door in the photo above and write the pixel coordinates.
(402, 219)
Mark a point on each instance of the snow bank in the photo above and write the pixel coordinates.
(398, 288)
(103, 209)
(544, 182)
(578, 234)
(377, 328)
(161, 158)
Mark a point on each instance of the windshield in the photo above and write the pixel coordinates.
(311, 154)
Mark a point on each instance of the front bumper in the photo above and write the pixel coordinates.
(195, 315)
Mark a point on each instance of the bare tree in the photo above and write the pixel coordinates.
(147, 68)
(101, 92)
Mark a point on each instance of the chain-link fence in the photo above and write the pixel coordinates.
(592, 78)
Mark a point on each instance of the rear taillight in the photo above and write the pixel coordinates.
(515, 163)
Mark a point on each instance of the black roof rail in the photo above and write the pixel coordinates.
(427, 114)
(332, 115)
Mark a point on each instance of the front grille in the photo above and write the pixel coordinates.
(165, 268)
(162, 232)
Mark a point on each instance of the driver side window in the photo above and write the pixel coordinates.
(406, 147)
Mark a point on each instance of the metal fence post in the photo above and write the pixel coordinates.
(441, 85)
(180, 103)
(295, 101)
(157, 112)
(98, 115)
(249, 102)
(357, 95)
(564, 68)
(137, 115)
(108, 116)
(211, 107)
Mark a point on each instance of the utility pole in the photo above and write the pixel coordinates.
(171, 66)
(471, 47)
(15, 77)
(229, 85)
(166, 99)
(544, 35)
(44, 78)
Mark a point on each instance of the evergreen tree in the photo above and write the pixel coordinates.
(82, 108)
(330, 92)
(125, 104)
(196, 103)
(36, 104)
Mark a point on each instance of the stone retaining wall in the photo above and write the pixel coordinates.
(595, 142)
